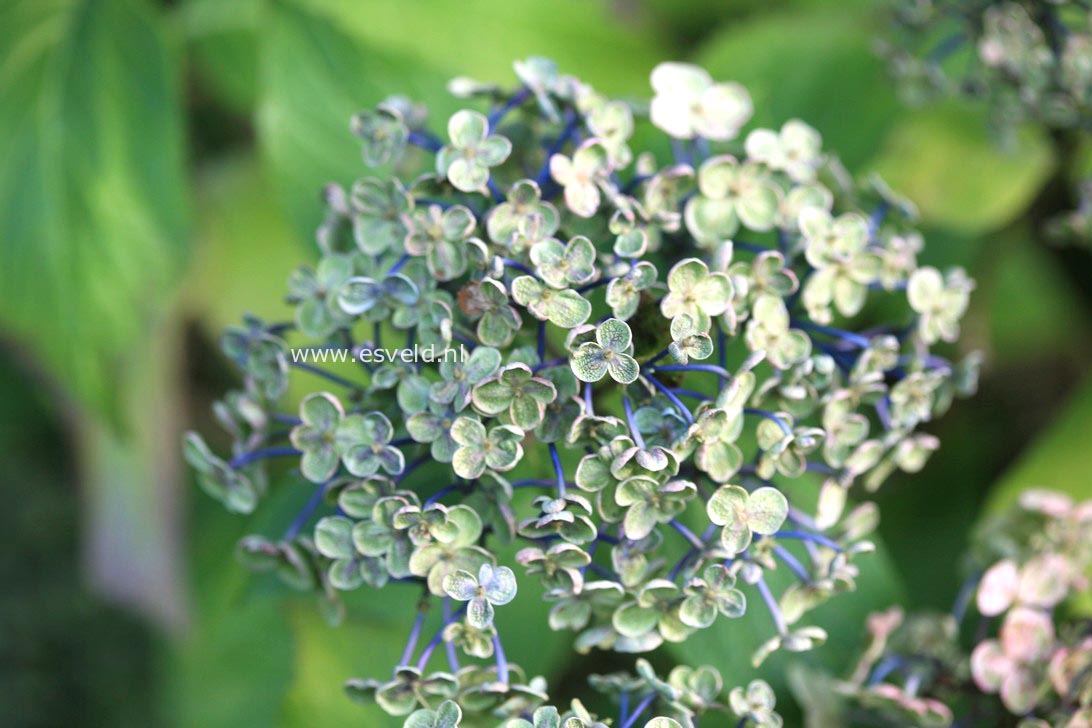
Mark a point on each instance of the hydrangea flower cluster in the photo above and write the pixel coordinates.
(1030, 661)
(1029, 60)
(655, 343)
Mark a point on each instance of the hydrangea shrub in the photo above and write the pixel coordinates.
(1027, 60)
(690, 354)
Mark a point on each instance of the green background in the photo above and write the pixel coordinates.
(160, 168)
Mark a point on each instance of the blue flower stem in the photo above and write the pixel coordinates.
(415, 634)
(673, 399)
(550, 364)
(812, 537)
(308, 509)
(398, 264)
(422, 661)
(750, 247)
(722, 346)
(425, 141)
(632, 422)
(846, 336)
(498, 196)
(541, 343)
(771, 604)
(792, 562)
(329, 376)
(708, 534)
(623, 706)
(588, 400)
(566, 134)
(594, 284)
(464, 340)
(502, 661)
(687, 534)
(659, 356)
(447, 489)
(558, 470)
(286, 419)
(711, 368)
(509, 263)
(413, 465)
(883, 411)
(518, 98)
(639, 710)
(770, 416)
(691, 393)
(449, 647)
(270, 452)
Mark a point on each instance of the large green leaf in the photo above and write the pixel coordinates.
(813, 64)
(943, 159)
(1060, 459)
(322, 61)
(93, 211)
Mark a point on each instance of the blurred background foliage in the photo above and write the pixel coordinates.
(160, 168)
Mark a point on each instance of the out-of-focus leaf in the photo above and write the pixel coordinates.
(1049, 317)
(1060, 459)
(816, 65)
(314, 77)
(93, 211)
(327, 656)
(323, 61)
(245, 247)
(224, 45)
(588, 38)
(942, 159)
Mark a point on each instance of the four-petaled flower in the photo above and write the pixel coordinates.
(756, 704)
(768, 331)
(567, 308)
(361, 294)
(581, 176)
(689, 104)
(714, 435)
(610, 353)
(524, 201)
(516, 392)
(472, 151)
(844, 266)
(383, 133)
(487, 300)
(460, 377)
(564, 265)
(440, 235)
(731, 193)
(713, 594)
(499, 448)
(688, 341)
(939, 302)
(492, 587)
(315, 436)
(315, 291)
(364, 443)
(648, 502)
(743, 514)
(796, 150)
(379, 220)
(693, 290)
(624, 293)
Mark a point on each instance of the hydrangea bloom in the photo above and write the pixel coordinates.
(671, 340)
(1031, 656)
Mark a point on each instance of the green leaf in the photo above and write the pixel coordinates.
(314, 75)
(1059, 459)
(815, 64)
(93, 209)
(943, 159)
